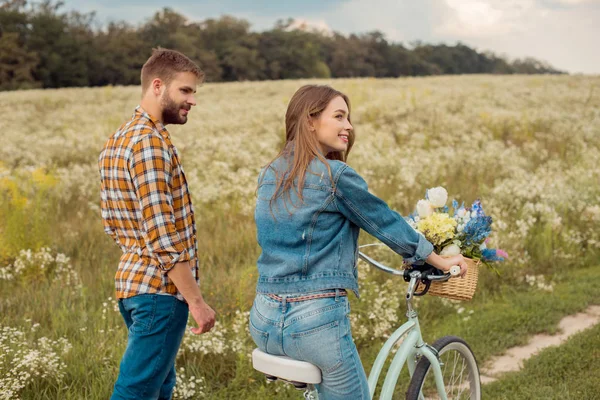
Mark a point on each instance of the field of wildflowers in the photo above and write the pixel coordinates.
(527, 146)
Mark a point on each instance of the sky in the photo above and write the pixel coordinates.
(560, 32)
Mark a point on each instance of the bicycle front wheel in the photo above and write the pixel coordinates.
(459, 370)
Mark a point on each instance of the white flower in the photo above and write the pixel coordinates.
(461, 213)
(424, 208)
(437, 196)
(450, 250)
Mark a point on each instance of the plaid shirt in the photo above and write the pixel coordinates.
(146, 206)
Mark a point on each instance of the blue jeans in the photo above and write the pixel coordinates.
(317, 331)
(156, 326)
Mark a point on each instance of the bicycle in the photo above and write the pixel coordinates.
(446, 370)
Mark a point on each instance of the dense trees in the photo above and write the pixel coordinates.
(41, 46)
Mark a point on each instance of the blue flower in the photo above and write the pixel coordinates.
(456, 207)
(477, 208)
(490, 255)
(477, 229)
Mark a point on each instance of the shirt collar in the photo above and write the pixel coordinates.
(140, 112)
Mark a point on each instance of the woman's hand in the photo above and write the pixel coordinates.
(445, 263)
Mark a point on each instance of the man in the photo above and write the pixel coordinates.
(147, 210)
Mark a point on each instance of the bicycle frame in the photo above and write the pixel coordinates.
(412, 346)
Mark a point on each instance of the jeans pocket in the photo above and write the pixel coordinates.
(260, 337)
(320, 346)
(142, 309)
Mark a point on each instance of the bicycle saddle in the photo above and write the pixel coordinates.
(285, 368)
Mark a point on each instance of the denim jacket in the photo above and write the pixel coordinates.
(313, 245)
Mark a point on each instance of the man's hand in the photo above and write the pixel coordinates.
(182, 277)
(204, 317)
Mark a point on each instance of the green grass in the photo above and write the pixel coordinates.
(530, 154)
(566, 372)
(509, 318)
(503, 316)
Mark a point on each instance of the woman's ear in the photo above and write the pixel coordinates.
(311, 123)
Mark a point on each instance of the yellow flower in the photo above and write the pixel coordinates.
(42, 179)
(437, 228)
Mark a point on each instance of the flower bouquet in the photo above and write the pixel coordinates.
(452, 231)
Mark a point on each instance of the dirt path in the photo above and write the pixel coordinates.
(513, 359)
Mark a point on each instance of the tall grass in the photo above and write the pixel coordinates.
(527, 146)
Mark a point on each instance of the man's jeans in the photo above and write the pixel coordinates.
(317, 331)
(156, 326)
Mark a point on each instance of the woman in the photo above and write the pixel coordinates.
(310, 208)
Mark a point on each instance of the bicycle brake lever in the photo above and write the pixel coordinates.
(425, 289)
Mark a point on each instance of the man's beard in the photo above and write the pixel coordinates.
(170, 113)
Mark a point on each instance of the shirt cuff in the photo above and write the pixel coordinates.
(168, 261)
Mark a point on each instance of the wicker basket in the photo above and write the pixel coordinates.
(457, 288)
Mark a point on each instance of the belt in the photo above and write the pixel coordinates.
(338, 292)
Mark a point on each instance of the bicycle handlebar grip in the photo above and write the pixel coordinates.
(455, 270)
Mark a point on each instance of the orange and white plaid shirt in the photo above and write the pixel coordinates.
(146, 206)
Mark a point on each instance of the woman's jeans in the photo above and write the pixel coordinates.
(317, 331)
(156, 326)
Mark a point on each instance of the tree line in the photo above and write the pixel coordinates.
(41, 46)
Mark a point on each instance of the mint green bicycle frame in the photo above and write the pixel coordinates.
(411, 348)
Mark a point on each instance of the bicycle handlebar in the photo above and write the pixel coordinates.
(427, 276)
(431, 274)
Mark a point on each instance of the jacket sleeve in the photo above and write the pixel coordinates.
(151, 172)
(372, 214)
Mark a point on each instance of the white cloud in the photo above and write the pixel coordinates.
(319, 26)
(400, 20)
(566, 37)
(475, 18)
(576, 2)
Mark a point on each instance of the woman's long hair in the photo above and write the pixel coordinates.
(301, 144)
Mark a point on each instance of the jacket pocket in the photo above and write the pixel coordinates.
(320, 346)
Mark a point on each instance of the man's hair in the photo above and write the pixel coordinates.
(165, 64)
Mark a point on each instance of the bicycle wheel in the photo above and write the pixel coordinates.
(459, 369)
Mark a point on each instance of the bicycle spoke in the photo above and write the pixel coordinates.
(454, 367)
(458, 379)
(459, 386)
(457, 382)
